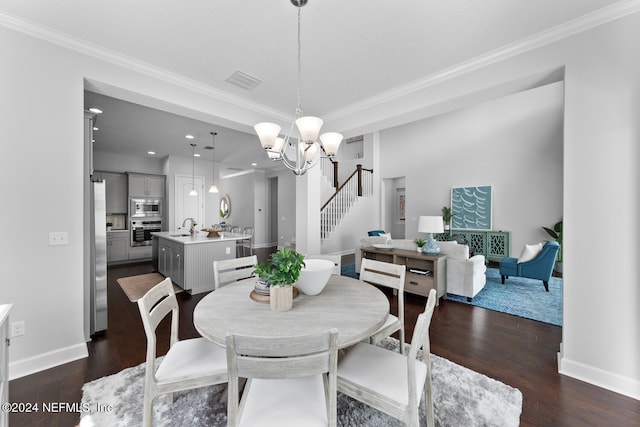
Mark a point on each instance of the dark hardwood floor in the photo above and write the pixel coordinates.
(516, 351)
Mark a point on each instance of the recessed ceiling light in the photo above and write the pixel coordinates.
(196, 155)
(189, 136)
(151, 152)
(254, 164)
(95, 110)
(96, 128)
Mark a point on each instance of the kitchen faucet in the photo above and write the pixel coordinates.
(192, 229)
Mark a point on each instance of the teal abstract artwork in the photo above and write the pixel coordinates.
(471, 208)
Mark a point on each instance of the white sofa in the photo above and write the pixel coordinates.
(465, 276)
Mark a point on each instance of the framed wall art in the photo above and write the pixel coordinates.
(471, 208)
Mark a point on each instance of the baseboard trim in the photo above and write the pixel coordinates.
(598, 377)
(51, 359)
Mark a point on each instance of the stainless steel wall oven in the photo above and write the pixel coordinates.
(141, 230)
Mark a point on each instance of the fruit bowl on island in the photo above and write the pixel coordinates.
(314, 276)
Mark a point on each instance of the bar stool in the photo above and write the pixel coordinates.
(249, 240)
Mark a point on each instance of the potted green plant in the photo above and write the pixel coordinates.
(446, 217)
(280, 273)
(556, 234)
(419, 243)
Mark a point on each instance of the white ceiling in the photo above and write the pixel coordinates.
(351, 51)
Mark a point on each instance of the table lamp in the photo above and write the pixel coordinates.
(430, 225)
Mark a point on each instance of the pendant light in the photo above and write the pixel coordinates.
(213, 188)
(193, 191)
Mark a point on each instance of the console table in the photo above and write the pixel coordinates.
(494, 245)
(415, 282)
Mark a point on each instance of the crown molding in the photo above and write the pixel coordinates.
(554, 34)
(103, 54)
(586, 22)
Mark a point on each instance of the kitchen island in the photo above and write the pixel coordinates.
(188, 260)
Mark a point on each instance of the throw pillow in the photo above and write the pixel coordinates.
(529, 252)
(375, 232)
(387, 236)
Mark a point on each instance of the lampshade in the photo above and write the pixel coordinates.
(312, 150)
(331, 142)
(274, 153)
(213, 188)
(267, 133)
(430, 224)
(309, 128)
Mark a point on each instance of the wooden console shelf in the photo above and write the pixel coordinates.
(415, 283)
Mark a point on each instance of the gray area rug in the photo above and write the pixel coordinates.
(462, 397)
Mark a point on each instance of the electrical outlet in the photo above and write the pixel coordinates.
(228, 250)
(17, 329)
(58, 238)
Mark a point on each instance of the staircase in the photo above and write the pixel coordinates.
(359, 184)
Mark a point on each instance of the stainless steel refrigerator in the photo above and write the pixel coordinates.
(98, 285)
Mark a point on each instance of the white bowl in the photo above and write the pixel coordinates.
(314, 276)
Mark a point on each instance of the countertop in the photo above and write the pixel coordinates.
(201, 237)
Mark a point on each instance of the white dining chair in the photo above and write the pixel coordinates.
(391, 382)
(231, 270)
(291, 381)
(391, 276)
(188, 364)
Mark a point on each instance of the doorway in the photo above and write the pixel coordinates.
(394, 206)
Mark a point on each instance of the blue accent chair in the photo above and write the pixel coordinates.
(375, 232)
(539, 268)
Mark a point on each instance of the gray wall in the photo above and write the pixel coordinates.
(513, 144)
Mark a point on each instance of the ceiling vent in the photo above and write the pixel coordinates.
(243, 80)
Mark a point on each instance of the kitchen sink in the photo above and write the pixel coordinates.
(179, 235)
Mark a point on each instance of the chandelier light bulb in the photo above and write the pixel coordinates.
(267, 133)
(310, 150)
(275, 152)
(331, 142)
(309, 128)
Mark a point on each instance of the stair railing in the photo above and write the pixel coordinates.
(359, 183)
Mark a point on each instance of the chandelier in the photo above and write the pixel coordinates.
(305, 151)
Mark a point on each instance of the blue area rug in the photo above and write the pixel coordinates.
(349, 270)
(519, 296)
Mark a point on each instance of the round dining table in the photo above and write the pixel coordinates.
(356, 309)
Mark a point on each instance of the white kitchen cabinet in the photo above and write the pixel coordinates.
(177, 265)
(116, 192)
(4, 361)
(171, 261)
(140, 252)
(117, 246)
(146, 186)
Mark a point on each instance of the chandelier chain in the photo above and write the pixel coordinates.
(299, 109)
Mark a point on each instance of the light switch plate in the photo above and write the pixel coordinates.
(58, 238)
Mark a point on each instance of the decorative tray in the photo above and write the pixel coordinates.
(212, 232)
(265, 298)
